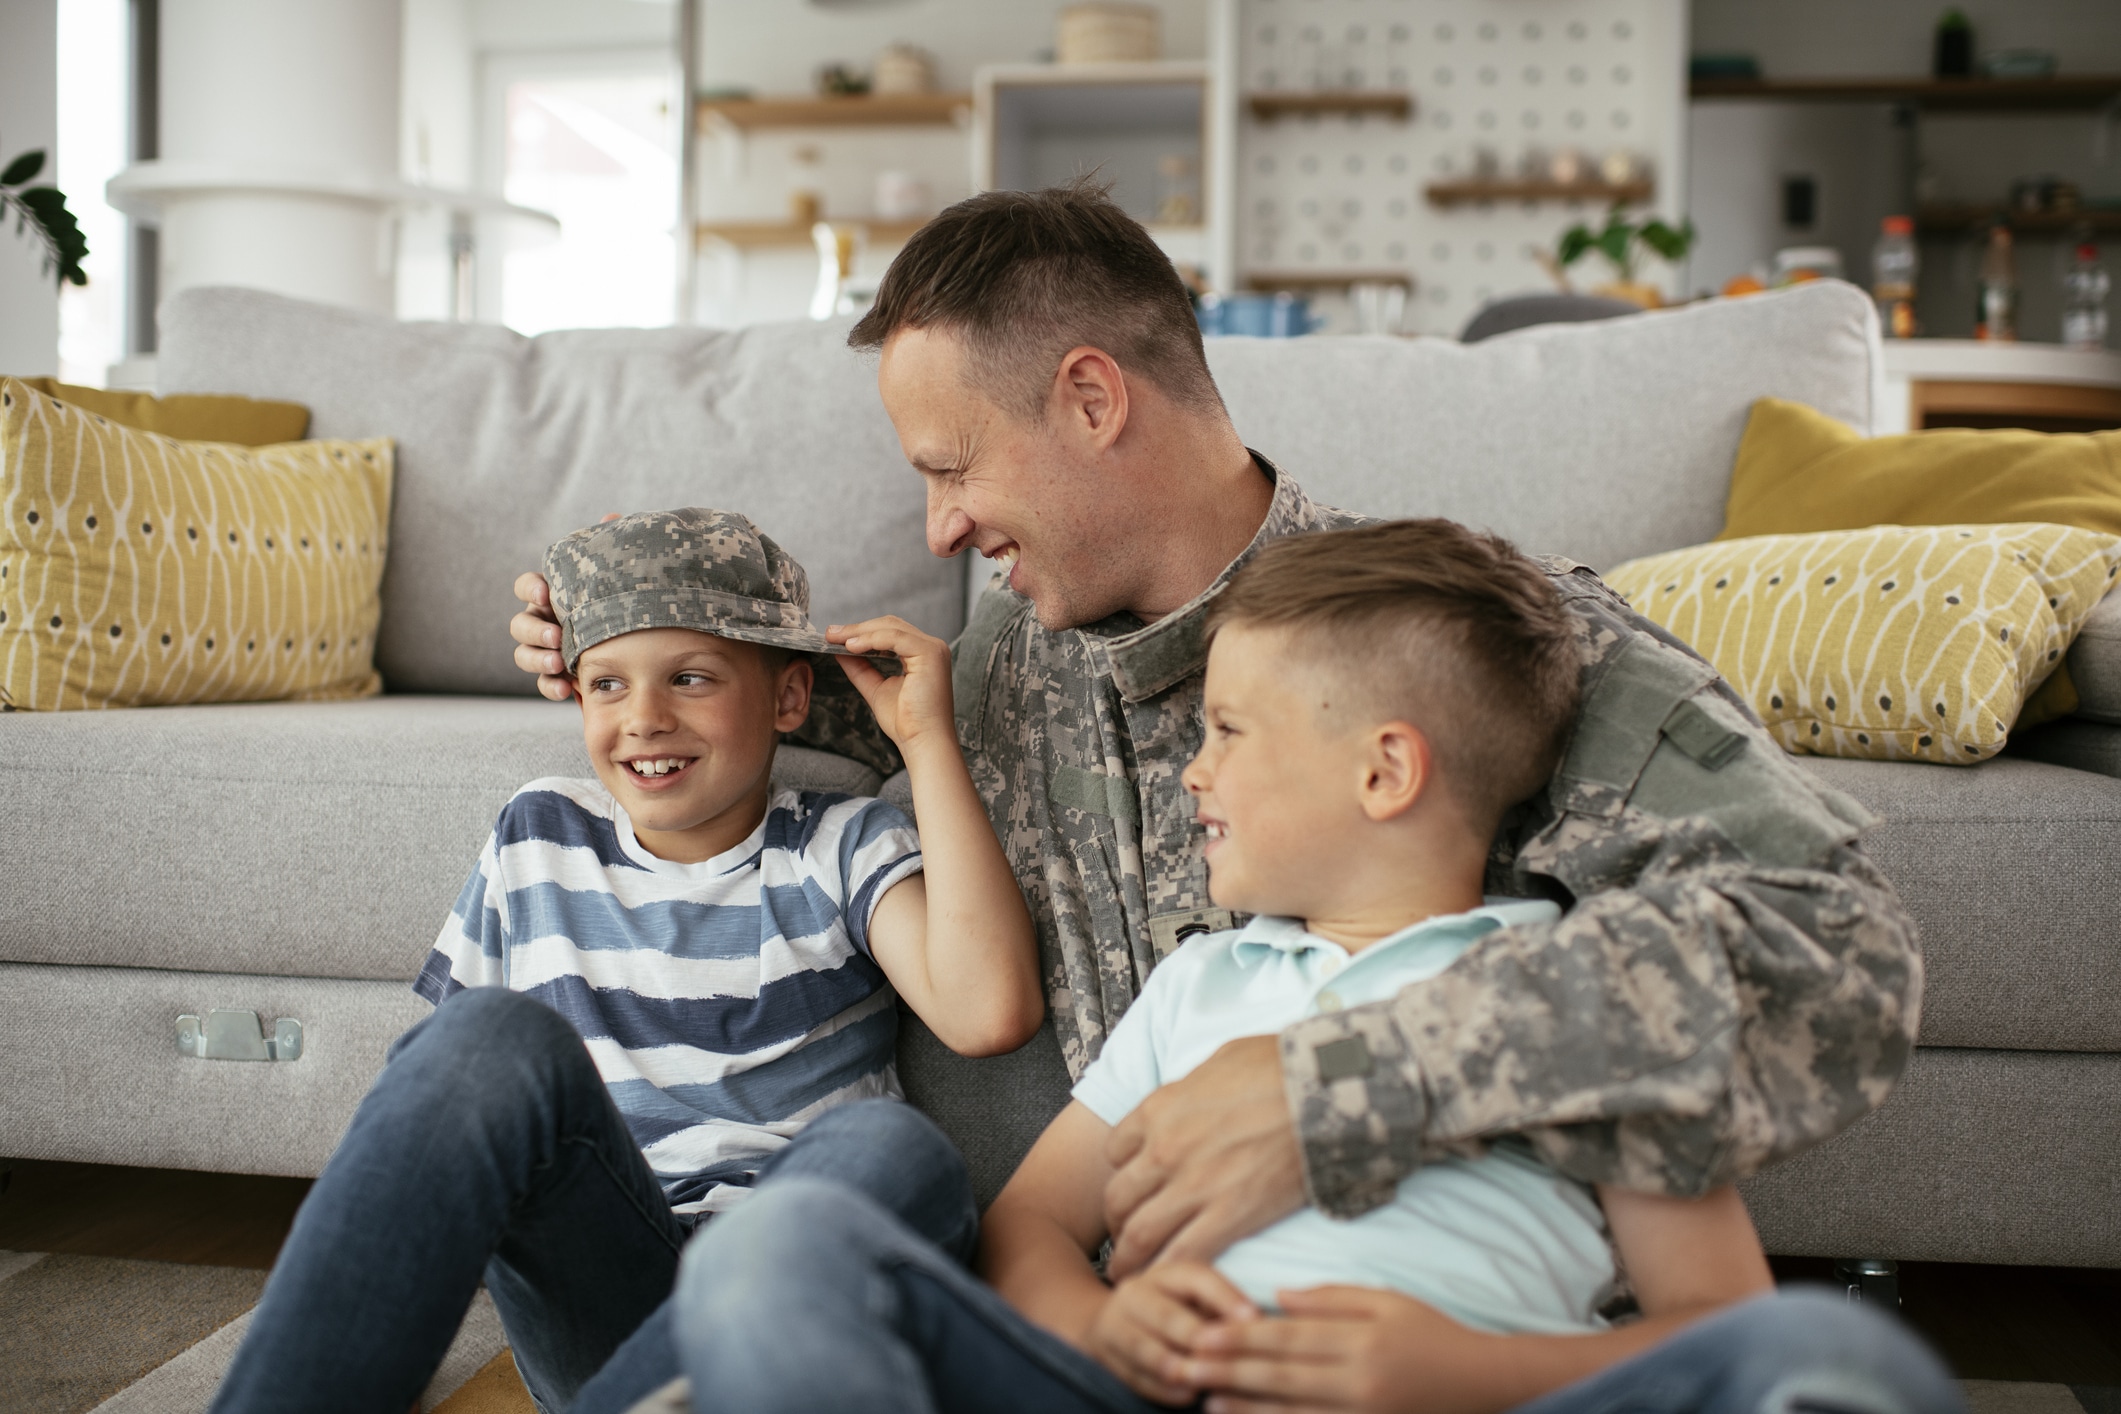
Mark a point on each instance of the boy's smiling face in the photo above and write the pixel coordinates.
(681, 728)
(1277, 788)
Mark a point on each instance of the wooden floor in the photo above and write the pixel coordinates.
(2054, 1324)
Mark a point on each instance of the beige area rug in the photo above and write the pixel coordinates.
(114, 1336)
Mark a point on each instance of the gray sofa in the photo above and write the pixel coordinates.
(295, 860)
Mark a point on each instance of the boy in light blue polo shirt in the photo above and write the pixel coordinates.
(1376, 700)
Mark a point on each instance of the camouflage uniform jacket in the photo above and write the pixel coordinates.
(1733, 979)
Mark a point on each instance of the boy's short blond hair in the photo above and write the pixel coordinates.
(1428, 622)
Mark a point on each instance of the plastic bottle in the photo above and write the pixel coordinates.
(1996, 297)
(2084, 288)
(1894, 264)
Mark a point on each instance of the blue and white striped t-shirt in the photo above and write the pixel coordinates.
(725, 1003)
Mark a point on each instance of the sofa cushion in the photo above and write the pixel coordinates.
(2011, 870)
(1894, 643)
(293, 839)
(506, 443)
(136, 570)
(1798, 470)
(1599, 441)
(248, 422)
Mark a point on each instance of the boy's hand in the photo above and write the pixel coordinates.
(1343, 1348)
(916, 704)
(1145, 1332)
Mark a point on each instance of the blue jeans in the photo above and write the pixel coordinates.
(490, 1149)
(813, 1297)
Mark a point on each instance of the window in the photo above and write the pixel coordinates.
(594, 141)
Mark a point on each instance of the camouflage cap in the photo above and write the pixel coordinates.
(713, 571)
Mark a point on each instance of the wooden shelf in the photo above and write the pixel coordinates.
(1996, 95)
(1267, 107)
(766, 235)
(864, 110)
(1977, 215)
(1491, 189)
(1272, 281)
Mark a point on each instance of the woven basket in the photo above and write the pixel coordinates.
(1103, 33)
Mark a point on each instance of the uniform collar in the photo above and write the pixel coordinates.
(1288, 935)
(1148, 660)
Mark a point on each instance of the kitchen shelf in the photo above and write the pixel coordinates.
(859, 110)
(1976, 215)
(1485, 190)
(1994, 95)
(1272, 281)
(766, 235)
(1267, 107)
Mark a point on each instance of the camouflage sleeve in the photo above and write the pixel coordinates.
(1672, 1037)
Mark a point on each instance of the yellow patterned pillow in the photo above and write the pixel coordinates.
(1897, 642)
(136, 570)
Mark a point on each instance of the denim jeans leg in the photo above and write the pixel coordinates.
(811, 1296)
(1794, 1352)
(487, 1146)
(884, 1149)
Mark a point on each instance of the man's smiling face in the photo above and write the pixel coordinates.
(681, 728)
(1018, 490)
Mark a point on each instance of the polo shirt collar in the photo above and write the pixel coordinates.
(1148, 660)
(1288, 935)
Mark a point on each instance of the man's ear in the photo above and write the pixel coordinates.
(1397, 769)
(791, 693)
(1089, 397)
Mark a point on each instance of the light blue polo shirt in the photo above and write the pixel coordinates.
(1501, 1243)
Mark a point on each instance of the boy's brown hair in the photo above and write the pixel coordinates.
(1024, 276)
(1428, 622)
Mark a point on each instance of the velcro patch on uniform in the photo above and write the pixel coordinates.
(1345, 1059)
(1701, 736)
(1094, 793)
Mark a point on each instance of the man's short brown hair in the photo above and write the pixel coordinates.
(1428, 622)
(1024, 276)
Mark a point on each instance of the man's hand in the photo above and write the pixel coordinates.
(537, 636)
(1343, 1348)
(1203, 1161)
(914, 704)
(1145, 1331)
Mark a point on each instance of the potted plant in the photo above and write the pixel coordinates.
(43, 210)
(1623, 243)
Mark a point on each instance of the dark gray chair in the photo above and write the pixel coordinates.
(1522, 311)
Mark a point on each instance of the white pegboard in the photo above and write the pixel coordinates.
(1344, 193)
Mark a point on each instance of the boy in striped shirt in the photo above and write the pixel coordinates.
(728, 950)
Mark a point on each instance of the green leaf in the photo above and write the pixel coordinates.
(65, 247)
(28, 165)
(1670, 244)
(1613, 243)
(1574, 242)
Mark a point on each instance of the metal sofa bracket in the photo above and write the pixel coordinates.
(224, 1034)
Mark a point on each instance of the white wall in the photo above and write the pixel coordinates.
(29, 117)
(1741, 150)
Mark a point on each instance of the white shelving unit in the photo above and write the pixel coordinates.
(1036, 125)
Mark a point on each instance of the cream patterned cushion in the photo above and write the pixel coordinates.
(1896, 642)
(136, 570)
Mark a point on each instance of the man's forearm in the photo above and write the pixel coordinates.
(1671, 1037)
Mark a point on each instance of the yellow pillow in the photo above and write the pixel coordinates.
(250, 422)
(1800, 471)
(136, 570)
(1896, 643)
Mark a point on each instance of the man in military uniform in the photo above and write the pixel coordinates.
(1732, 980)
